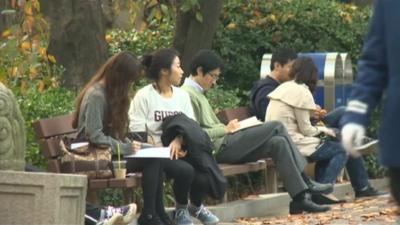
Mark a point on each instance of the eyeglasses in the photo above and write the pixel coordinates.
(214, 76)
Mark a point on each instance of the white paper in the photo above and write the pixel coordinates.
(79, 145)
(155, 152)
(249, 122)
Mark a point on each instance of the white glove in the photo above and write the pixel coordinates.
(352, 135)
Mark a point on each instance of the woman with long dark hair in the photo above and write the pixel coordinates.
(102, 118)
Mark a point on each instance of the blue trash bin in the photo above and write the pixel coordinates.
(330, 73)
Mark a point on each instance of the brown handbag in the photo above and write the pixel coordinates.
(91, 160)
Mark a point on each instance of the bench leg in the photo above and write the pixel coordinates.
(93, 197)
(271, 180)
(225, 199)
(128, 195)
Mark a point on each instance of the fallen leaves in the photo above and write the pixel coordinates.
(380, 210)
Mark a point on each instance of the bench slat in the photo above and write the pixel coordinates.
(230, 169)
(56, 126)
(127, 182)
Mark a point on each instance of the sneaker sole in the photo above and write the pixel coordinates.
(366, 146)
(130, 215)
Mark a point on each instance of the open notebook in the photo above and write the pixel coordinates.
(151, 152)
(249, 122)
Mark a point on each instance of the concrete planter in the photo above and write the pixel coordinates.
(42, 198)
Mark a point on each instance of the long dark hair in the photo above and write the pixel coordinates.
(158, 60)
(304, 71)
(118, 72)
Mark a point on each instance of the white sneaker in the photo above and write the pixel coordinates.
(117, 215)
(367, 144)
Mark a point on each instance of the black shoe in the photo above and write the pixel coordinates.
(369, 192)
(318, 188)
(306, 205)
(165, 219)
(149, 220)
(323, 200)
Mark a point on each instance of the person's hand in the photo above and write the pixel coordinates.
(327, 131)
(319, 113)
(176, 148)
(136, 146)
(232, 126)
(352, 135)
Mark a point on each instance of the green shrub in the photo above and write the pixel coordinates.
(141, 43)
(249, 29)
(36, 105)
(221, 98)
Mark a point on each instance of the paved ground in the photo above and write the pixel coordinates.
(376, 211)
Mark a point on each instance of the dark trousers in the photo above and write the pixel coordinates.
(355, 166)
(187, 182)
(267, 140)
(152, 183)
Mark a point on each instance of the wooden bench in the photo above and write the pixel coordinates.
(241, 113)
(48, 130)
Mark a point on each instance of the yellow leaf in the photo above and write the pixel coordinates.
(158, 14)
(6, 33)
(108, 38)
(51, 58)
(43, 53)
(13, 72)
(231, 26)
(26, 46)
(33, 73)
(41, 86)
(272, 18)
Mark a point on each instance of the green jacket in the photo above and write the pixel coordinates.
(206, 117)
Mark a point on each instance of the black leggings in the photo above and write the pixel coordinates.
(186, 180)
(152, 183)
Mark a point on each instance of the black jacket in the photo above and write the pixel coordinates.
(199, 148)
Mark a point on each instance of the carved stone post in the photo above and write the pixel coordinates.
(12, 132)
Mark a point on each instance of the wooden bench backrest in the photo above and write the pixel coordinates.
(47, 131)
(229, 114)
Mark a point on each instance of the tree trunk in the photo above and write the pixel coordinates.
(5, 19)
(192, 35)
(77, 37)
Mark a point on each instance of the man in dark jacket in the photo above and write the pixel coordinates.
(281, 62)
(378, 71)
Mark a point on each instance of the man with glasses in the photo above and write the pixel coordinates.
(248, 145)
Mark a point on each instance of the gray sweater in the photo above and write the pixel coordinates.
(91, 117)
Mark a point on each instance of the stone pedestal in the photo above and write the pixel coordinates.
(12, 132)
(42, 198)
